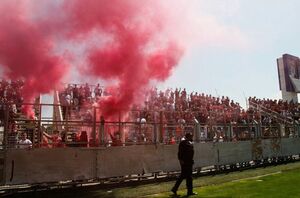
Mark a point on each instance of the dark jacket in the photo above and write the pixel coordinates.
(186, 152)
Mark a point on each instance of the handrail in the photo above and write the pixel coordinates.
(270, 112)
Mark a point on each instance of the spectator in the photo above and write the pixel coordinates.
(98, 91)
(56, 140)
(116, 139)
(24, 142)
(83, 138)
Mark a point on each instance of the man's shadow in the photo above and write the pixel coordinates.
(174, 196)
(181, 196)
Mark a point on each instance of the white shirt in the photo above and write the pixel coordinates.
(24, 144)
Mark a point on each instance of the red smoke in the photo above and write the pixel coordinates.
(26, 53)
(133, 57)
(136, 50)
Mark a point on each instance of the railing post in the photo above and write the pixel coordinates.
(295, 129)
(6, 121)
(40, 132)
(228, 132)
(67, 122)
(298, 129)
(155, 131)
(259, 130)
(102, 123)
(94, 128)
(197, 130)
(122, 135)
(231, 131)
(161, 131)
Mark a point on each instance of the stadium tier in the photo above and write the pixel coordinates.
(224, 133)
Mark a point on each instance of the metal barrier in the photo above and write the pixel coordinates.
(93, 130)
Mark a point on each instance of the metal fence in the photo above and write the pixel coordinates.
(91, 130)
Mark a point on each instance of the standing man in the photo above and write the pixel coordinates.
(185, 157)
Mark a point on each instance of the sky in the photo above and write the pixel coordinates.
(237, 54)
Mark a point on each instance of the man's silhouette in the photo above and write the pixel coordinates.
(185, 157)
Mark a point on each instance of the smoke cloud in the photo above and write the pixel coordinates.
(133, 48)
(133, 56)
(26, 52)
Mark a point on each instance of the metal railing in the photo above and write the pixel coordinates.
(271, 113)
(95, 132)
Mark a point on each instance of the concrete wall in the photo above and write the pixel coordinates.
(290, 146)
(271, 148)
(233, 152)
(48, 165)
(205, 154)
(23, 166)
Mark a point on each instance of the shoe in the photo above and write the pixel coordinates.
(174, 191)
(192, 193)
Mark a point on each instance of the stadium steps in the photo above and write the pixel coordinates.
(280, 118)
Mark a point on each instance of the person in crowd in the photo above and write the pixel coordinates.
(98, 91)
(24, 142)
(56, 140)
(83, 138)
(116, 139)
(172, 139)
(185, 157)
(88, 117)
(87, 91)
(74, 140)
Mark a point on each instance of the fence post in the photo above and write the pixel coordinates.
(161, 131)
(67, 123)
(231, 132)
(228, 132)
(94, 128)
(259, 130)
(156, 140)
(197, 130)
(102, 122)
(298, 129)
(6, 121)
(40, 132)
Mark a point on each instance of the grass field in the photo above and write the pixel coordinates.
(274, 181)
(277, 184)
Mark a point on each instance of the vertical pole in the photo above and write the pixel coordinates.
(155, 132)
(197, 132)
(67, 122)
(297, 129)
(40, 133)
(259, 132)
(94, 128)
(161, 134)
(6, 121)
(102, 122)
(231, 131)
(120, 123)
(121, 131)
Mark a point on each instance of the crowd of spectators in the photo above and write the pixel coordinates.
(78, 99)
(179, 110)
(178, 106)
(289, 110)
(10, 96)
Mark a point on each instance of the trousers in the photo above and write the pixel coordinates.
(186, 173)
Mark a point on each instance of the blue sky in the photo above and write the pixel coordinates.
(241, 58)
